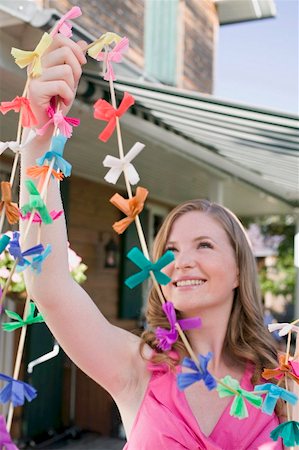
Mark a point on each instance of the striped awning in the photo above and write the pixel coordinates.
(258, 146)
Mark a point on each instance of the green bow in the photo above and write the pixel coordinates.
(232, 387)
(11, 326)
(36, 202)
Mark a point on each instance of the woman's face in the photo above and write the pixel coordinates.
(204, 273)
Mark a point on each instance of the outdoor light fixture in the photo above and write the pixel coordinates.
(111, 254)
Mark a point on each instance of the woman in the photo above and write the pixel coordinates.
(213, 277)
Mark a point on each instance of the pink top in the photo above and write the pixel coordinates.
(166, 422)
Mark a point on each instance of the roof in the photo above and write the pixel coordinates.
(232, 11)
(258, 146)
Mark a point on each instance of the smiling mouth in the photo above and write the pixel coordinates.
(183, 283)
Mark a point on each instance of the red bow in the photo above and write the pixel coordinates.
(104, 111)
(20, 104)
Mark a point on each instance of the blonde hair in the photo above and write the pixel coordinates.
(246, 338)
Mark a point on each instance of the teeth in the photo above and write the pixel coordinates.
(189, 283)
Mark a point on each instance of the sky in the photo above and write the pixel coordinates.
(257, 61)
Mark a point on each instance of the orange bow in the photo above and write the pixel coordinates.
(104, 111)
(11, 209)
(130, 207)
(22, 105)
(284, 369)
(41, 171)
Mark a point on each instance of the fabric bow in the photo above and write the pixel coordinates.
(11, 209)
(288, 431)
(119, 165)
(146, 266)
(24, 58)
(131, 207)
(104, 111)
(168, 337)
(15, 250)
(63, 123)
(5, 438)
(284, 369)
(42, 172)
(274, 392)
(36, 202)
(16, 391)
(115, 55)
(4, 241)
(105, 40)
(284, 328)
(199, 373)
(238, 408)
(22, 105)
(56, 151)
(14, 146)
(63, 25)
(36, 264)
(19, 322)
(37, 218)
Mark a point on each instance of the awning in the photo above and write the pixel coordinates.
(257, 146)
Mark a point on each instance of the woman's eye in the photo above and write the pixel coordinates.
(172, 249)
(205, 245)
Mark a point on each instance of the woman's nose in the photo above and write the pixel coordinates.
(184, 261)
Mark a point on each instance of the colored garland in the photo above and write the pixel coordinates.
(109, 49)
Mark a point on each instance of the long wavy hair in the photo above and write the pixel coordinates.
(246, 337)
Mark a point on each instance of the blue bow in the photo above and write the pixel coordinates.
(186, 379)
(274, 393)
(147, 266)
(16, 391)
(37, 261)
(4, 242)
(15, 251)
(56, 151)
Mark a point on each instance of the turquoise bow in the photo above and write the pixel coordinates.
(37, 261)
(288, 431)
(56, 151)
(274, 392)
(19, 323)
(146, 266)
(238, 408)
(36, 202)
(4, 240)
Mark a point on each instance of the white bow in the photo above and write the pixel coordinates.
(118, 165)
(14, 146)
(284, 328)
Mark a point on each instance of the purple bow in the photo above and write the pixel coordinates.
(168, 337)
(5, 438)
(16, 391)
(15, 250)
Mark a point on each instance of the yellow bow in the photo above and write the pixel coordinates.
(106, 39)
(23, 58)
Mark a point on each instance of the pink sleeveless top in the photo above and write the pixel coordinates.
(166, 422)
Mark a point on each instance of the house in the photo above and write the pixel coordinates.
(196, 146)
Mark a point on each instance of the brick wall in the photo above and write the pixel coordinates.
(122, 17)
(199, 25)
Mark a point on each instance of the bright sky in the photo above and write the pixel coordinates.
(257, 62)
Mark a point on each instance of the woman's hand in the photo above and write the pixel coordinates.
(61, 73)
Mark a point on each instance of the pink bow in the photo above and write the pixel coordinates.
(115, 55)
(63, 26)
(22, 104)
(104, 111)
(63, 123)
(37, 218)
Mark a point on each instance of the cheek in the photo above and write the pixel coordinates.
(168, 270)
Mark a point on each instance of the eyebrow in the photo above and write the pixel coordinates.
(199, 238)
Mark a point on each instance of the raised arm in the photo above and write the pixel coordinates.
(106, 353)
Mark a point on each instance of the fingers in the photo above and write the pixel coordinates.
(69, 66)
(60, 41)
